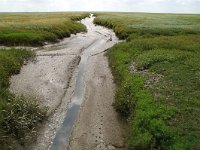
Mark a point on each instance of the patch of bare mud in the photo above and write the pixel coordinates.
(74, 65)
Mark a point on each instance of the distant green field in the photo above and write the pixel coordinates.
(140, 24)
(157, 71)
(37, 28)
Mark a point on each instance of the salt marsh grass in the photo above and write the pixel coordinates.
(164, 113)
(18, 115)
(36, 28)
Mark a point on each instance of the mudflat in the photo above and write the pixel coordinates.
(74, 71)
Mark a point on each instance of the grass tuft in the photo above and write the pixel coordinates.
(19, 116)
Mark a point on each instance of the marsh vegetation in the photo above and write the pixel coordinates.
(18, 115)
(32, 29)
(160, 95)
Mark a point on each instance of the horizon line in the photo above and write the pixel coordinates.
(101, 11)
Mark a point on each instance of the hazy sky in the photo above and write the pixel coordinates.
(171, 6)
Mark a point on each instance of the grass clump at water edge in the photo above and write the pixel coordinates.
(19, 116)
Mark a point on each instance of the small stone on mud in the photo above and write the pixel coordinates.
(110, 147)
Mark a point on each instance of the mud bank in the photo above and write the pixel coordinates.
(98, 126)
(74, 72)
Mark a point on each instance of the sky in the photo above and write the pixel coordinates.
(157, 6)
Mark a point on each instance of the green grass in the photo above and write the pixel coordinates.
(19, 116)
(36, 28)
(141, 24)
(165, 114)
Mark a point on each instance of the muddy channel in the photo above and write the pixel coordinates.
(72, 78)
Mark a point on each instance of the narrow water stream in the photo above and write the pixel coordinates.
(62, 136)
